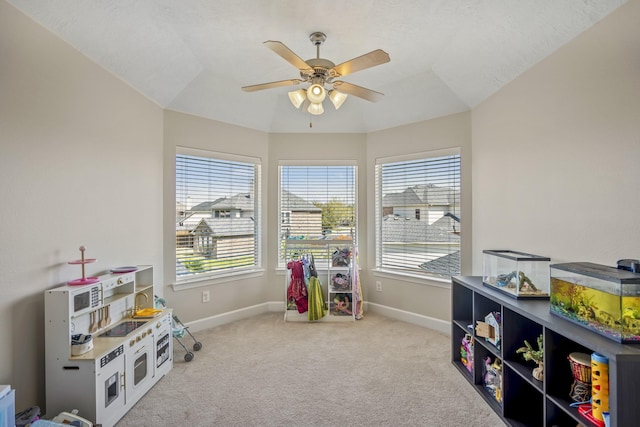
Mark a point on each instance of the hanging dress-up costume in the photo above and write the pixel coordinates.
(297, 291)
(357, 289)
(317, 308)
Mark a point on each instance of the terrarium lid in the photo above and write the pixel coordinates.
(515, 255)
(604, 272)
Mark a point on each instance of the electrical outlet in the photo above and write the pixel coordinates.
(378, 286)
(205, 296)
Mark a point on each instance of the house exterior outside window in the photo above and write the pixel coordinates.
(217, 214)
(418, 214)
(317, 201)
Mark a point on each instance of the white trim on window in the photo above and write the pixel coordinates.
(212, 247)
(428, 183)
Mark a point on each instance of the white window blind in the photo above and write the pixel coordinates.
(317, 202)
(418, 214)
(217, 214)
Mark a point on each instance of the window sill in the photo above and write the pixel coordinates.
(413, 278)
(198, 282)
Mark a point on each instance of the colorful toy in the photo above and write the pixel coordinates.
(341, 304)
(84, 280)
(581, 368)
(492, 377)
(490, 328)
(599, 385)
(341, 282)
(466, 352)
(341, 257)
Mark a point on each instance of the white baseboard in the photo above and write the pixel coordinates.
(278, 306)
(228, 317)
(409, 317)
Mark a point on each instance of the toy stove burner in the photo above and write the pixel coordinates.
(123, 329)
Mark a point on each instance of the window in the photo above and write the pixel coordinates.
(317, 202)
(286, 219)
(217, 214)
(418, 214)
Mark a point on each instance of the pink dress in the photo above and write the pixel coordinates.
(297, 291)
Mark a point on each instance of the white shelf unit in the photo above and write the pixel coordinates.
(323, 251)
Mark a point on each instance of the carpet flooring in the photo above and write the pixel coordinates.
(263, 371)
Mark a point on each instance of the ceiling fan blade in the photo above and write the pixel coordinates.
(359, 91)
(288, 55)
(270, 85)
(363, 62)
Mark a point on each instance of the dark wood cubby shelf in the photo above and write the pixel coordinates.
(525, 400)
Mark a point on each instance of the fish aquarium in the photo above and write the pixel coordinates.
(603, 299)
(517, 274)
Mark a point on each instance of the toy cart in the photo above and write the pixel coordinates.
(179, 330)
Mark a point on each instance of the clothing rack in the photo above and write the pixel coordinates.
(334, 293)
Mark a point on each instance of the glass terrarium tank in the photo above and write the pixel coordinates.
(517, 274)
(603, 299)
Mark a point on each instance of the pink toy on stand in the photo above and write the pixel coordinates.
(84, 280)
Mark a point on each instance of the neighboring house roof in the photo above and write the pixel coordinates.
(435, 195)
(444, 265)
(225, 227)
(242, 201)
(406, 198)
(429, 194)
(396, 229)
(291, 202)
(205, 206)
(447, 222)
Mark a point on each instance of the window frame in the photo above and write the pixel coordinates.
(381, 269)
(227, 274)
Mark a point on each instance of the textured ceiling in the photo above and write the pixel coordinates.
(193, 56)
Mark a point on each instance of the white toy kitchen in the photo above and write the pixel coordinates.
(106, 344)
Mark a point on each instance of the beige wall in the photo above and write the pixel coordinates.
(556, 153)
(194, 132)
(80, 164)
(427, 298)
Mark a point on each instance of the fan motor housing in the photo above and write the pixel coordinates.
(320, 67)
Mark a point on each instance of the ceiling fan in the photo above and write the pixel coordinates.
(320, 72)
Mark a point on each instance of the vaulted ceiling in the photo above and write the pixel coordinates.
(193, 56)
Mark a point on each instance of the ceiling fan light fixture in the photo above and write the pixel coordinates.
(316, 93)
(297, 97)
(319, 71)
(337, 98)
(315, 108)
